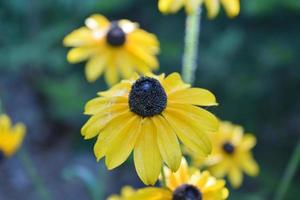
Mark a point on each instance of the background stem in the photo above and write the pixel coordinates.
(191, 40)
(288, 174)
(32, 173)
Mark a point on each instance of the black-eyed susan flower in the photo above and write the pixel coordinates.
(113, 48)
(185, 184)
(149, 114)
(231, 154)
(232, 7)
(11, 137)
(126, 192)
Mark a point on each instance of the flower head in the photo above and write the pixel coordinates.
(232, 7)
(231, 154)
(149, 114)
(185, 184)
(11, 137)
(114, 48)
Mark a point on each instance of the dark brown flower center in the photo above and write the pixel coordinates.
(228, 148)
(187, 192)
(115, 36)
(147, 97)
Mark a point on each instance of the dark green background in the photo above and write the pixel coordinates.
(251, 63)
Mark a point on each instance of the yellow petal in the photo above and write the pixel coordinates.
(249, 165)
(235, 177)
(120, 89)
(79, 54)
(192, 5)
(170, 6)
(101, 104)
(152, 193)
(213, 7)
(95, 67)
(194, 96)
(146, 40)
(121, 146)
(173, 83)
(111, 74)
(248, 142)
(95, 124)
(232, 7)
(5, 124)
(203, 119)
(168, 143)
(79, 37)
(112, 129)
(97, 21)
(220, 169)
(188, 133)
(147, 158)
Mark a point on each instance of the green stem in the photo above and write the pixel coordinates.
(32, 173)
(163, 177)
(191, 40)
(288, 174)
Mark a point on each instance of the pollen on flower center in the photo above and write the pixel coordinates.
(228, 148)
(147, 97)
(115, 36)
(187, 192)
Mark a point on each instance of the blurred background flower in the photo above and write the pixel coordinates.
(251, 63)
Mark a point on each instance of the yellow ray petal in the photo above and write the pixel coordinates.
(79, 37)
(194, 96)
(170, 6)
(5, 124)
(122, 145)
(213, 7)
(173, 83)
(97, 21)
(95, 124)
(167, 142)
(249, 165)
(147, 157)
(111, 73)
(235, 177)
(205, 120)
(95, 67)
(232, 7)
(248, 142)
(79, 54)
(120, 89)
(146, 40)
(112, 129)
(99, 104)
(151, 193)
(187, 131)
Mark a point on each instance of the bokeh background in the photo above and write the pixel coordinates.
(251, 63)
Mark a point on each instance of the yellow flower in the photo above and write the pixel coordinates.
(232, 7)
(11, 138)
(115, 48)
(147, 114)
(185, 185)
(126, 192)
(231, 154)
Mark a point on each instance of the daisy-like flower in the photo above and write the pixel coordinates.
(231, 154)
(11, 137)
(126, 192)
(185, 184)
(114, 48)
(232, 7)
(149, 114)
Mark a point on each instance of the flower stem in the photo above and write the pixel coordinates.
(32, 173)
(163, 177)
(191, 40)
(288, 174)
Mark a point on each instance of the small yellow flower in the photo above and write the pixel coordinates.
(232, 7)
(126, 192)
(11, 138)
(149, 114)
(231, 154)
(185, 185)
(114, 48)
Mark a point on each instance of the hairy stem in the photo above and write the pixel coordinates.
(192, 31)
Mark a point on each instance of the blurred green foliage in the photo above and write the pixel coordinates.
(251, 63)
